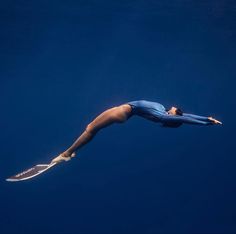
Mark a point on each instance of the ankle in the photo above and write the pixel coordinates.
(67, 153)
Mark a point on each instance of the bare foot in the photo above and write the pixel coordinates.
(65, 156)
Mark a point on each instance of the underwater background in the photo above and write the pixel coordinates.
(64, 62)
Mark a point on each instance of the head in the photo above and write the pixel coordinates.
(173, 111)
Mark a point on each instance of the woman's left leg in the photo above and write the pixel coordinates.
(114, 115)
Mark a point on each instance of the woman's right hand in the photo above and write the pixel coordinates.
(215, 121)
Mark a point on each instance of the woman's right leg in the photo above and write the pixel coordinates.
(114, 115)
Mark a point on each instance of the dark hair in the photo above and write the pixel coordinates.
(172, 124)
(179, 111)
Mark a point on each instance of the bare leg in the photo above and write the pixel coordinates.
(114, 115)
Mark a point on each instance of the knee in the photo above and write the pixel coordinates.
(90, 129)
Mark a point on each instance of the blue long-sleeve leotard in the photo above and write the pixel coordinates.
(156, 112)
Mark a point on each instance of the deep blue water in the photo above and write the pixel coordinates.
(64, 62)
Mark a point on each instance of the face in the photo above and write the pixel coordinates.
(172, 111)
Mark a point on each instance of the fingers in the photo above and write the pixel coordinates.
(218, 122)
(215, 121)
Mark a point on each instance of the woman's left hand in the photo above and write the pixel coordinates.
(215, 121)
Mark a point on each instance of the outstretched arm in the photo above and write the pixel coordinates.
(203, 118)
(184, 119)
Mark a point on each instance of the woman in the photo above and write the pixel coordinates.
(153, 111)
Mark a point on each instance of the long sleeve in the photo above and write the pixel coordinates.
(204, 118)
(183, 119)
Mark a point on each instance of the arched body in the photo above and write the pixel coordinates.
(149, 110)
